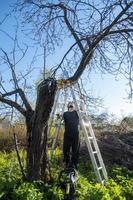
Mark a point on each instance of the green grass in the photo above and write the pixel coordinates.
(119, 186)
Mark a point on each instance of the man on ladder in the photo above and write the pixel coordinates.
(71, 135)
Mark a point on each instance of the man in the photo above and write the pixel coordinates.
(71, 135)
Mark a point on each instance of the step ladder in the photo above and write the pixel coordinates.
(90, 139)
(52, 115)
(59, 123)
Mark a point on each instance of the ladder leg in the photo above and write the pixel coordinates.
(59, 124)
(53, 111)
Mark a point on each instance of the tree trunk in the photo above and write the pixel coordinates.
(37, 125)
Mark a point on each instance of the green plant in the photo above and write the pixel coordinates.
(26, 191)
(119, 186)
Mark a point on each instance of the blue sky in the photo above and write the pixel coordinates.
(113, 92)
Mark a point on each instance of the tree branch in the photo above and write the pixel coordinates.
(25, 101)
(22, 95)
(87, 56)
(108, 28)
(85, 60)
(121, 31)
(63, 58)
(14, 105)
(63, 7)
(10, 93)
(12, 69)
(19, 159)
(73, 32)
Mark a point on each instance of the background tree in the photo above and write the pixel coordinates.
(100, 35)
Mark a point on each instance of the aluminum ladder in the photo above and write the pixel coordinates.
(58, 127)
(53, 111)
(58, 121)
(91, 142)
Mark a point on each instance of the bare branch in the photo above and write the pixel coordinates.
(127, 31)
(10, 93)
(18, 156)
(22, 95)
(73, 32)
(63, 58)
(87, 56)
(14, 105)
(84, 61)
(12, 69)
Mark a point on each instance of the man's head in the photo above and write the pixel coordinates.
(71, 106)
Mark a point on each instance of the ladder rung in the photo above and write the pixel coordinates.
(103, 182)
(86, 124)
(90, 137)
(99, 168)
(82, 112)
(95, 152)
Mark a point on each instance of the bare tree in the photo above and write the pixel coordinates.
(101, 36)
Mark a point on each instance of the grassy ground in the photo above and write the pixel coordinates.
(119, 186)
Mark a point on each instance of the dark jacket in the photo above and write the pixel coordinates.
(71, 120)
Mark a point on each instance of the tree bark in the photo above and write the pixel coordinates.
(37, 124)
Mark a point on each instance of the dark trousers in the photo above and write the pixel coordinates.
(71, 143)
